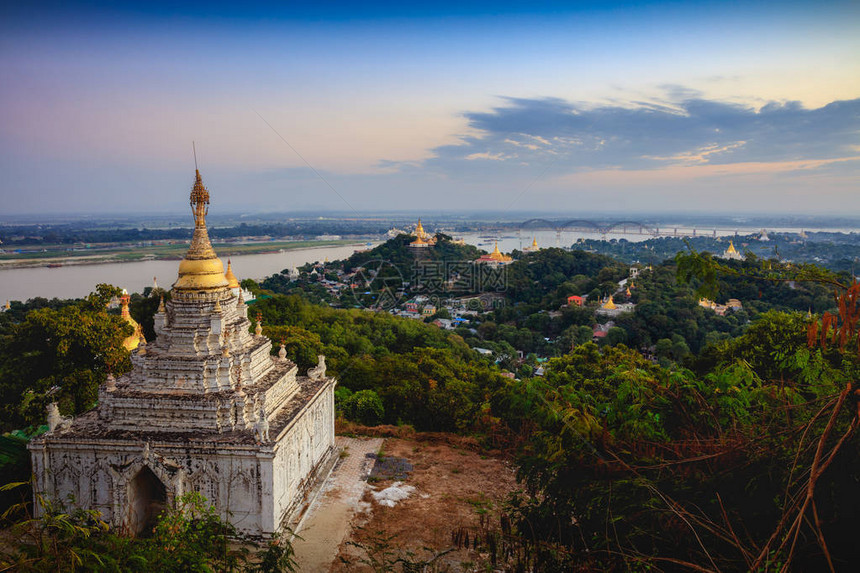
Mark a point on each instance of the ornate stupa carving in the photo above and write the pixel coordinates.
(211, 405)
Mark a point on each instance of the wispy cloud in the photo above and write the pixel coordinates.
(683, 129)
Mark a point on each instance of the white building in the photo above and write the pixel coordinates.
(206, 408)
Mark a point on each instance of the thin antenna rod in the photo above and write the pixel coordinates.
(194, 148)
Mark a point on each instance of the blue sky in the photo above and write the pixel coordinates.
(598, 106)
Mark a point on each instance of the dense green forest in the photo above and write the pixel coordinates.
(686, 440)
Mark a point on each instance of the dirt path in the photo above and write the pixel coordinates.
(454, 487)
(329, 520)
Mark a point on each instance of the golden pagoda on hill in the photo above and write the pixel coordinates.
(495, 258)
(422, 239)
(732, 253)
(609, 304)
(533, 248)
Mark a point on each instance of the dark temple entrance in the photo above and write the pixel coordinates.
(147, 499)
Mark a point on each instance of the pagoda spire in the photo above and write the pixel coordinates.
(231, 278)
(199, 201)
(134, 339)
(201, 269)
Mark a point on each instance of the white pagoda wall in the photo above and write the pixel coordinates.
(305, 445)
(255, 486)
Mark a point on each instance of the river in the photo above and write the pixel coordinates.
(76, 281)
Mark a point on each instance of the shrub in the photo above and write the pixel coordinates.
(365, 406)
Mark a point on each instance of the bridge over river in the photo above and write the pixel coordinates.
(622, 228)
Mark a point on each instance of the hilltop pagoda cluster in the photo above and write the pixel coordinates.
(423, 239)
(205, 408)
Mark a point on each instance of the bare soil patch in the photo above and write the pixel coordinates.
(455, 484)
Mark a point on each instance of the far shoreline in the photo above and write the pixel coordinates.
(122, 255)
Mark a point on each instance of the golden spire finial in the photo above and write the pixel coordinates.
(199, 200)
(201, 269)
(534, 242)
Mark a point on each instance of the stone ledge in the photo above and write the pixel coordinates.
(308, 391)
(89, 428)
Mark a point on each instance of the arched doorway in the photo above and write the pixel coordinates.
(147, 498)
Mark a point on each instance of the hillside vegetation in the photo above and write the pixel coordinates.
(731, 446)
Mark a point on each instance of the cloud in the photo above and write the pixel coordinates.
(684, 129)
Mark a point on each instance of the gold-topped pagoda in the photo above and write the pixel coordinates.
(205, 408)
(609, 304)
(133, 340)
(732, 252)
(495, 258)
(422, 238)
(201, 269)
(232, 281)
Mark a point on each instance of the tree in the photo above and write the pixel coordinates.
(364, 407)
(60, 355)
(302, 346)
(616, 336)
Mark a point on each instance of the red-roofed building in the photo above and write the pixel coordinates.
(575, 300)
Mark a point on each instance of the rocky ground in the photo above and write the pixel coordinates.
(452, 486)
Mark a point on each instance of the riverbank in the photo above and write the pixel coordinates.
(78, 279)
(172, 252)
